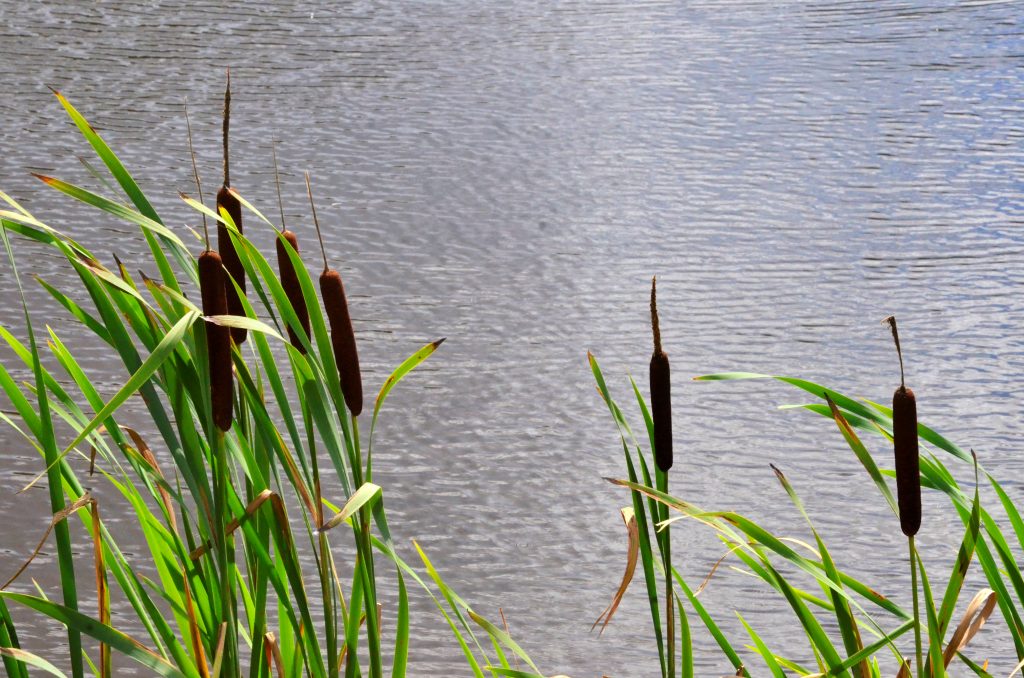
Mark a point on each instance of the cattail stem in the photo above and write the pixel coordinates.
(277, 183)
(654, 315)
(917, 612)
(195, 173)
(891, 320)
(316, 222)
(670, 609)
(224, 128)
(227, 201)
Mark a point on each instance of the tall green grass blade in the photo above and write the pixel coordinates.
(709, 623)
(142, 375)
(9, 639)
(84, 624)
(934, 653)
(963, 563)
(502, 637)
(365, 495)
(685, 642)
(111, 207)
(407, 366)
(762, 649)
(132, 189)
(401, 654)
(844, 615)
(17, 655)
(55, 488)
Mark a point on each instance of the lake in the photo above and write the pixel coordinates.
(510, 175)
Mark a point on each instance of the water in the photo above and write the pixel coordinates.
(510, 175)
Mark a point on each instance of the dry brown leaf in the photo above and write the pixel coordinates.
(629, 519)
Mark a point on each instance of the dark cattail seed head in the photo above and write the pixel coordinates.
(292, 288)
(232, 263)
(343, 339)
(218, 338)
(904, 436)
(908, 474)
(661, 393)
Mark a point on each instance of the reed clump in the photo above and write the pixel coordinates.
(221, 583)
(784, 562)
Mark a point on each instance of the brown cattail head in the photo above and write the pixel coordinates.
(661, 393)
(233, 265)
(218, 337)
(292, 288)
(343, 339)
(908, 474)
(904, 435)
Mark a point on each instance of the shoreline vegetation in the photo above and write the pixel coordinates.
(255, 401)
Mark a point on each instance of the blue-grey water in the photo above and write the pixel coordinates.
(510, 175)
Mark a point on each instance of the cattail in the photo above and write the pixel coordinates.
(286, 270)
(343, 338)
(292, 288)
(661, 393)
(904, 434)
(227, 201)
(218, 337)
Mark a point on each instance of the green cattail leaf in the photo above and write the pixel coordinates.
(767, 655)
(9, 639)
(502, 637)
(401, 655)
(200, 207)
(101, 632)
(963, 562)
(75, 310)
(646, 552)
(367, 493)
(711, 625)
(134, 193)
(163, 350)
(388, 551)
(407, 366)
(245, 323)
(28, 220)
(111, 207)
(109, 159)
(456, 604)
(247, 205)
(31, 660)
(45, 435)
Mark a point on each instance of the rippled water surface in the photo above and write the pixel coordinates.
(509, 175)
